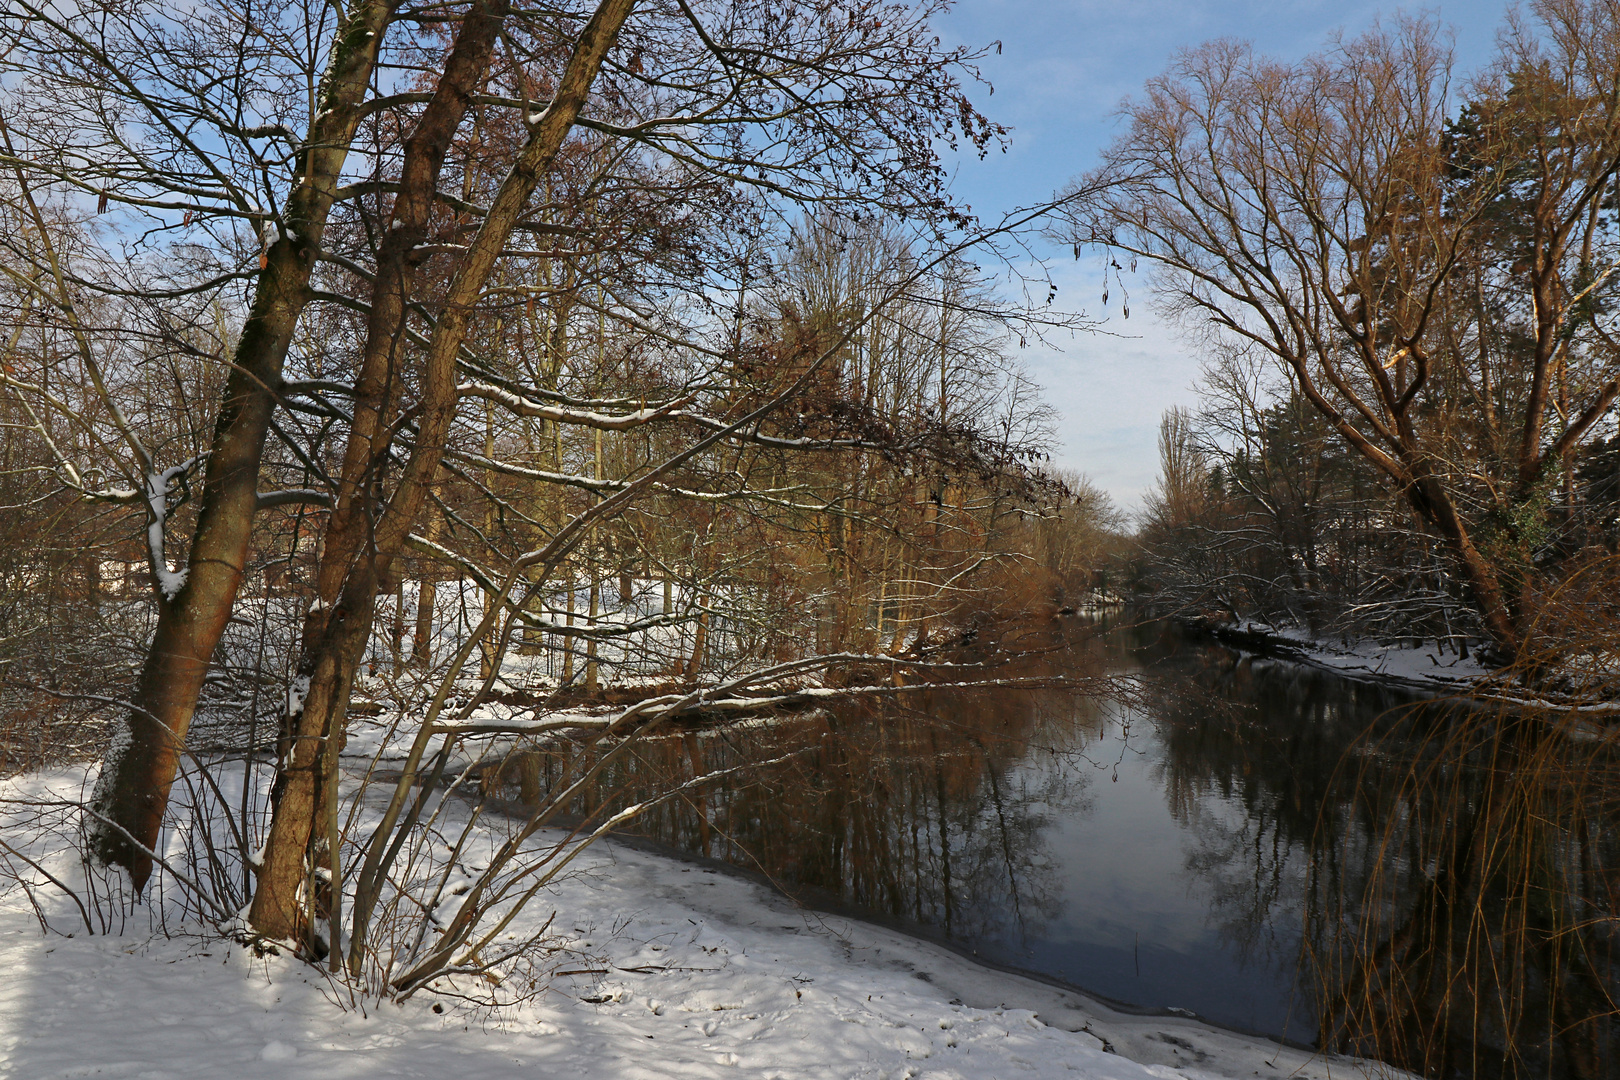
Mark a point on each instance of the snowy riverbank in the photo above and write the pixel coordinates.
(660, 969)
(1421, 666)
(1585, 684)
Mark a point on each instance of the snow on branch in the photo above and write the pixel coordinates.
(158, 487)
(293, 497)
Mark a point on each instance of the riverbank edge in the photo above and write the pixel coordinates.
(820, 901)
(1162, 1037)
(1396, 667)
(1263, 640)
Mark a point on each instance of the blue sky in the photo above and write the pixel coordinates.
(1064, 66)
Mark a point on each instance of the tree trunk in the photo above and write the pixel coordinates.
(590, 623)
(700, 642)
(426, 593)
(132, 792)
(422, 641)
(351, 568)
(568, 639)
(1434, 506)
(334, 646)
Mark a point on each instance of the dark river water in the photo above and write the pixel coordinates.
(1266, 845)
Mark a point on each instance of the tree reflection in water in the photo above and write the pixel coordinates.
(922, 809)
(1434, 883)
(1473, 933)
(1452, 868)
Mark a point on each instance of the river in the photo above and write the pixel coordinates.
(1269, 846)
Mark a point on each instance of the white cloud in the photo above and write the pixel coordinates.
(1111, 388)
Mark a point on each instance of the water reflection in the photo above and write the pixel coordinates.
(1473, 931)
(932, 811)
(1269, 846)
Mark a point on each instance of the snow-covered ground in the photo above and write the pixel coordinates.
(1425, 665)
(1587, 683)
(659, 969)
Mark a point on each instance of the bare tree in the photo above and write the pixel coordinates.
(118, 111)
(1329, 214)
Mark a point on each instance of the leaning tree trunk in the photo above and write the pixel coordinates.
(1435, 507)
(354, 559)
(348, 551)
(133, 791)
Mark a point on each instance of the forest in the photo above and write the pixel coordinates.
(436, 437)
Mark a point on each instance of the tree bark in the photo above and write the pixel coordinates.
(350, 569)
(1435, 507)
(348, 548)
(132, 792)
